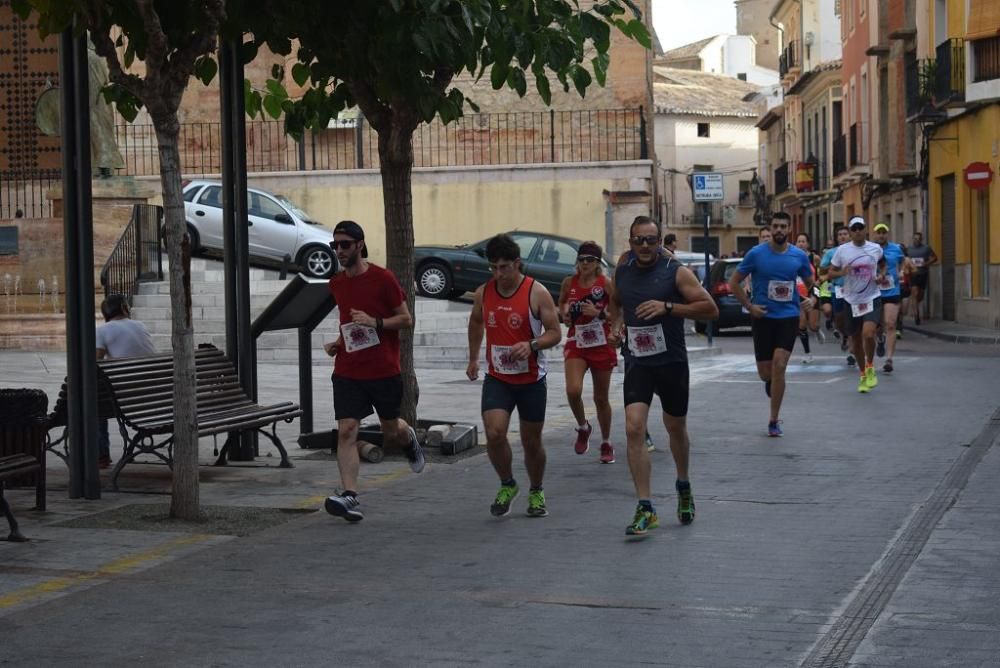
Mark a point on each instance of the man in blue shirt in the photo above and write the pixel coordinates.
(773, 268)
(837, 286)
(895, 258)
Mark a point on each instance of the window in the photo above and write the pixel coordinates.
(8, 242)
(190, 193)
(746, 197)
(742, 76)
(557, 252)
(743, 244)
(211, 196)
(704, 130)
(262, 206)
(526, 244)
(698, 245)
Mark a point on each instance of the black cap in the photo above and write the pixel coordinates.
(354, 231)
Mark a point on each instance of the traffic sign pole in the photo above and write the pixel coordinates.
(707, 187)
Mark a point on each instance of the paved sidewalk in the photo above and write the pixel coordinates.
(954, 332)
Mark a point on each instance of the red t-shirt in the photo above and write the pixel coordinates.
(377, 293)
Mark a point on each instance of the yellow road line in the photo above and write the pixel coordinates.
(116, 567)
(372, 483)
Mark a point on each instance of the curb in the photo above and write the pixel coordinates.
(987, 339)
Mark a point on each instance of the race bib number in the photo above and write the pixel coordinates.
(917, 261)
(886, 283)
(780, 291)
(838, 291)
(505, 363)
(358, 337)
(861, 309)
(591, 335)
(647, 341)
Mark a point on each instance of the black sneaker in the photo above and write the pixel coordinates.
(880, 345)
(851, 361)
(685, 504)
(506, 496)
(344, 506)
(887, 367)
(415, 453)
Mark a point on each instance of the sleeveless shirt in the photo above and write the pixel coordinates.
(509, 320)
(636, 284)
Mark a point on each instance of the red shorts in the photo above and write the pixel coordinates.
(602, 358)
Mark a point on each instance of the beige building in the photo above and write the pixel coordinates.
(752, 18)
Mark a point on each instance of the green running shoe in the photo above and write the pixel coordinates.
(643, 521)
(685, 505)
(870, 378)
(506, 495)
(863, 384)
(536, 504)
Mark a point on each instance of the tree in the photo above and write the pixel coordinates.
(174, 39)
(396, 60)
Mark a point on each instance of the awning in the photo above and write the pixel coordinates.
(984, 19)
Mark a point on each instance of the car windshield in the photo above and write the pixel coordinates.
(299, 213)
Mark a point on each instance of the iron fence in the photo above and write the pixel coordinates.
(137, 256)
(25, 194)
(781, 178)
(840, 154)
(506, 138)
(986, 56)
(949, 84)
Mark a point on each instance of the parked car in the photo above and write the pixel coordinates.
(446, 272)
(694, 261)
(276, 228)
(731, 313)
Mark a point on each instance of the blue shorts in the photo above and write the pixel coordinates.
(838, 304)
(528, 398)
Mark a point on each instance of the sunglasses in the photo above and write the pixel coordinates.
(587, 259)
(648, 240)
(343, 244)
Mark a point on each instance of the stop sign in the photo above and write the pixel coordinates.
(978, 175)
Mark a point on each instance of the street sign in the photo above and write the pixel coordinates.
(978, 175)
(707, 186)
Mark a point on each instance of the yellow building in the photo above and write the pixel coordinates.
(963, 151)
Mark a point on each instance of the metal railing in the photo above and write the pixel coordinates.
(137, 256)
(854, 159)
(986, 53)
(24, 194)
(949, 83)
(712, 212)
(781, 178)
(477, 139)
(786, 60)
(840, 155)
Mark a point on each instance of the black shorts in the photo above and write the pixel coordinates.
(838, 304)
(855, 325)
(919, 280)
(357, 399)
(670, 381)
(825, 300)
(895, 299)
(528, 398)
(769, 334)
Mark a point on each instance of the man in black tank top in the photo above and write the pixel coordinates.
(653, 295)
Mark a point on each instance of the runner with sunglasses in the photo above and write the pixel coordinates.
(652, 297)
(583, 303)
(366, 373)
(519, 319)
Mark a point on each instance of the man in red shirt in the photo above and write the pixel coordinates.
(366, 374)
(513, 310)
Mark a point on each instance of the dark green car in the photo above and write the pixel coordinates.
(446, 272)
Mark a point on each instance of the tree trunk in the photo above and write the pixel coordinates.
(395, 152)
(184, 502)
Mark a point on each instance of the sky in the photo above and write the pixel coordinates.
(680, 22)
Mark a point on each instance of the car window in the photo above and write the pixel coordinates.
(211, 196)
(557, 252)
(731, 268)
(190, 193)
(262, 206)
(526, 244)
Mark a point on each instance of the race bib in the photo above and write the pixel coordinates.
(780, 291)
(591, 335)
(646, 341)
(861, 309)
(504, 362)
(358, 337)
(886, 283)
(917, 261)
(838, 291)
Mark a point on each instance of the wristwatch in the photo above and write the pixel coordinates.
(669, 306)
(534, 345)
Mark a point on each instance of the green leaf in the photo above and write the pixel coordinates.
(542, 85)
(498, 75)
(480, 10)
(272, 105)
(601, 63)
(300, 73)
(275, 89)
(637, 30)
(22, 8)
(205, 69)
(277, 71)
(472, 105)
(129, 56)
(515, 79)
(248, 51)
(581, 79)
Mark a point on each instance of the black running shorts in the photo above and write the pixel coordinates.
(919, 280)
(528, 398)
(671, 382)
(855, 325)
(357, 399)
(895, 299)
(769, 334)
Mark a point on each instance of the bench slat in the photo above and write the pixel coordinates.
(232, 417)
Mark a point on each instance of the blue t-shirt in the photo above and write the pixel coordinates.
(827, 261)
(893, 254)
(773, 278)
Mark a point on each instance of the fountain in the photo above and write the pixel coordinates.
(41, 293)
(6, 291)
(55, 294)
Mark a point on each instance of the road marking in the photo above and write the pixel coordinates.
(372, 483)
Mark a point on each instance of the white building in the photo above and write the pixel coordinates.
(704, 122)
(732, 55)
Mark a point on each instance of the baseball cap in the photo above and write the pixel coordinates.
(354, 231)
(590, 248)
(856, 221)
(881, 227)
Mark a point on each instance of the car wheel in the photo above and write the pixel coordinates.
(192, 235)
(434, 280)
(318, 262)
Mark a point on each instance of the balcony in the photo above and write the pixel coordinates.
(949, 72)
(697, 219)
(919, 82)
(840, 155)
(787, 61)
(986, 56)
(854, 157)
(781, 179)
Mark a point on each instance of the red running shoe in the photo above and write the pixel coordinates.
(582, 439)
(607, 453)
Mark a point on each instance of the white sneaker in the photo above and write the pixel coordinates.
(821, 335)
(808, 359)
(344, 506)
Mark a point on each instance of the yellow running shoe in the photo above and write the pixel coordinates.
(870, 378)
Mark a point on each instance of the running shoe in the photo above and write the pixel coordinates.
(344, 506)
(415, 453)
(829, 325)
(880, 345)
(536, 504)
(916, 319)
(774, 429)
(836, 334)
(863, 385)
(843, 344)
(851, 361)
(887, 367)
(870, 378)
(685, 504)
(650, 446)
(642, 522)
(821, 336)
(607, 453)
(767, 388)
(899, 333)
(506, 496)
(582, 439)
(808, 359)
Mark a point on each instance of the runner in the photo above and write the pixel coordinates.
(808, 316)
(838, 306)
(861, 264)
(773, 269)
(763, 235)
(583, 302)
(652, 297)
(366, 372)
(512, 309)
(922, 257)
(885, 343)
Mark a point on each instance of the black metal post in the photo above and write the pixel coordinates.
(359, 139)
(305, 380)
(643, 143)
(81, 359)
(552, 135)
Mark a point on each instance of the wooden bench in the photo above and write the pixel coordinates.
(141, 391)
(14, 466)
(22, 448)
(59, 418)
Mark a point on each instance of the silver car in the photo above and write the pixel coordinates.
(277, 228)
